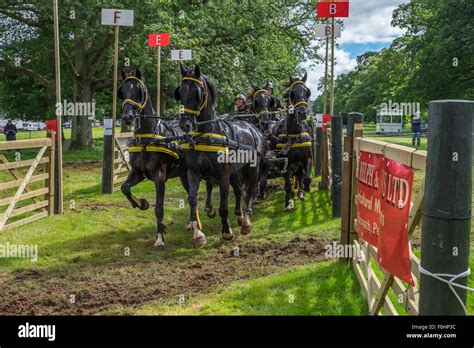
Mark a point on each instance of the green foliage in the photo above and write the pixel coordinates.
(432, 60)
(237, 43)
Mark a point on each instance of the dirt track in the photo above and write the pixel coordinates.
(103, 287)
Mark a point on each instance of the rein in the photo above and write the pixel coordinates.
(301, 102)
(198, 82)
(144, 91)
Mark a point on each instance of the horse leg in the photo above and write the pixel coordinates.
(235, 182)
(300, 184)
(160, 178)
(288, 192)
(227, 233)
(199, 239)
(209, 208)
(307, 175)
(134, 178)
(246, 226)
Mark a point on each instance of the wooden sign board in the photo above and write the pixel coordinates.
(333, 8)
(157, 40)
(181, 55)
(117, 17)
(325, 30)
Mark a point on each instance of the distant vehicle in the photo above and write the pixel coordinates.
(424, 127)
(67, 125)
(2, 127)
(20, 125)
(389, 122)
(30, 126)
(41, 126)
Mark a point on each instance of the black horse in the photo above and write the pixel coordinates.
(208, 148)
(294, 139)
(151, 155)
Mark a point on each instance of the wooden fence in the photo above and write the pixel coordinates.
(121, 158)
(375, 282)
(25, 204)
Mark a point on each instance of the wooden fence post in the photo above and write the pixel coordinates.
(336, 164)
(347, 170)
(323, 185)
(318, 151)
(51, 171)
(447, 207)
(358, 133)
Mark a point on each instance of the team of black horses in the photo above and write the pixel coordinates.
(223, 151)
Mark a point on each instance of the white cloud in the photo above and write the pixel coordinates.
(369, 22)
(343, 65)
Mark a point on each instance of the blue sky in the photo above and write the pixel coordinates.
(368, 28)
(356, 49)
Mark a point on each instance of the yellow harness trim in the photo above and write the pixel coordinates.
(305, 144)
(155, 136)
(293, 135)
(300, 103)
(196, 112)
(205, 148)
(208, 135)
(154, 148)
(133, 102)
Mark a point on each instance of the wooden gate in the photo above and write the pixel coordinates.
(380, 288)
(25, 204)
(121, 158)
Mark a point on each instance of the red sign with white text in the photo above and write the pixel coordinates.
(333, 8)
(162, 39)
(383, 207)
(369, 196)
(326, 118)
(393, 251)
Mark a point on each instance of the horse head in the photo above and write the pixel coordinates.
(197, 97)
(134, 94)
(297, 97)
(261, 103)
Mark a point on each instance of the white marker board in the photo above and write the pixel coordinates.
(324, 30)
(181, 55)
(117, 17)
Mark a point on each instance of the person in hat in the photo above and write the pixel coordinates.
(278, 104)
(10, 131)
(240, 104)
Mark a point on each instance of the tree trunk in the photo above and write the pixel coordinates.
(81, 125)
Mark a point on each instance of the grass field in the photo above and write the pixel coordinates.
(99, 255)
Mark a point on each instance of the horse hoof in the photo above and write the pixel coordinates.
(159, 247)
(189, 227)
(240, 219)
(245, 229)
(301, 196)
(199, 241)
(229, 235)
(211, 212)
(144, 205)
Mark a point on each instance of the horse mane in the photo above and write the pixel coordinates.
(287, 85)
(211, 88)
(254, 89)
